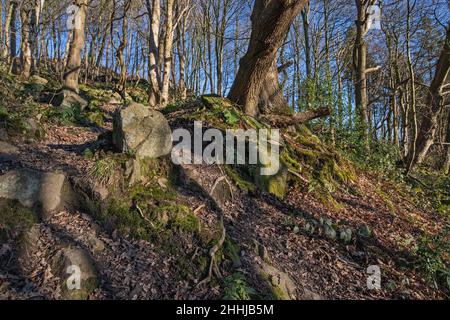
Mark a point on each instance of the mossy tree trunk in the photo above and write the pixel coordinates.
(271, 21)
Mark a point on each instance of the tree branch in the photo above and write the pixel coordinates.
(302, 117)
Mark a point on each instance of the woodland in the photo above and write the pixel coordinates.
(93, 207)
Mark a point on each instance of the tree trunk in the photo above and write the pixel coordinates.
(181, 29)
(13, 38)
(35, 31)
(2, 44)
(429, 123)
(154, 12)
(168, 43)
(360, 65)
(25, 47)
(305, 20)
(413, 116)
(271, 20)
(8, 12)
(447, 159)
(72, 70)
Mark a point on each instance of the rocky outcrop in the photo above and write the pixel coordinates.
(141, 132)
(34, 189)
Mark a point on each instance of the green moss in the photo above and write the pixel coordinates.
(236, 288)
(239, 180)
(184, 220)
(274, 292)
(275, 184)
(231, 251)
(86, 288)
(13, 218)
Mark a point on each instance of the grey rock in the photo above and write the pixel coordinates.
(63, 265)
(32, 188)
(38, 80)
(346, 235)
(283, 288)
(68, 99)
(95, 244)
(133, 171)
(141, 132)
(365, 231)
(329, 231)
(8, 152)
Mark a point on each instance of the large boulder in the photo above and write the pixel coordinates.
(34, 189)
(76, 271)
(141, 132)
(69, 99)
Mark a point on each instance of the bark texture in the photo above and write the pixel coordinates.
(271, 20)
(435, 105)
(72, 71)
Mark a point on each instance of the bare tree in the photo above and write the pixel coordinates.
(72, 70)
(435, 104)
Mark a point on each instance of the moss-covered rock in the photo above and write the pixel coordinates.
(275, 184)
(281, 285)
(76, 271)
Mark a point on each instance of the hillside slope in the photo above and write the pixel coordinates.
(153, 240)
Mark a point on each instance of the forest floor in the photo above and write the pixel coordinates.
(139, 268)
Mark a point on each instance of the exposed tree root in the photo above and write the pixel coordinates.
(213, 267)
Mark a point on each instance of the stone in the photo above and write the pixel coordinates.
(69, 99)
(310, 227)
(95, 244)
(282, 286)
(116, 99)
(8, 152)
(329, 231)
(35, 79)
(133, 171)
(365, 231)
(262, 251)
(275, 184)
(141, 132)
(33, 129)
(65, 264)
(88, 195)
(32, 188)
(346, 235)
